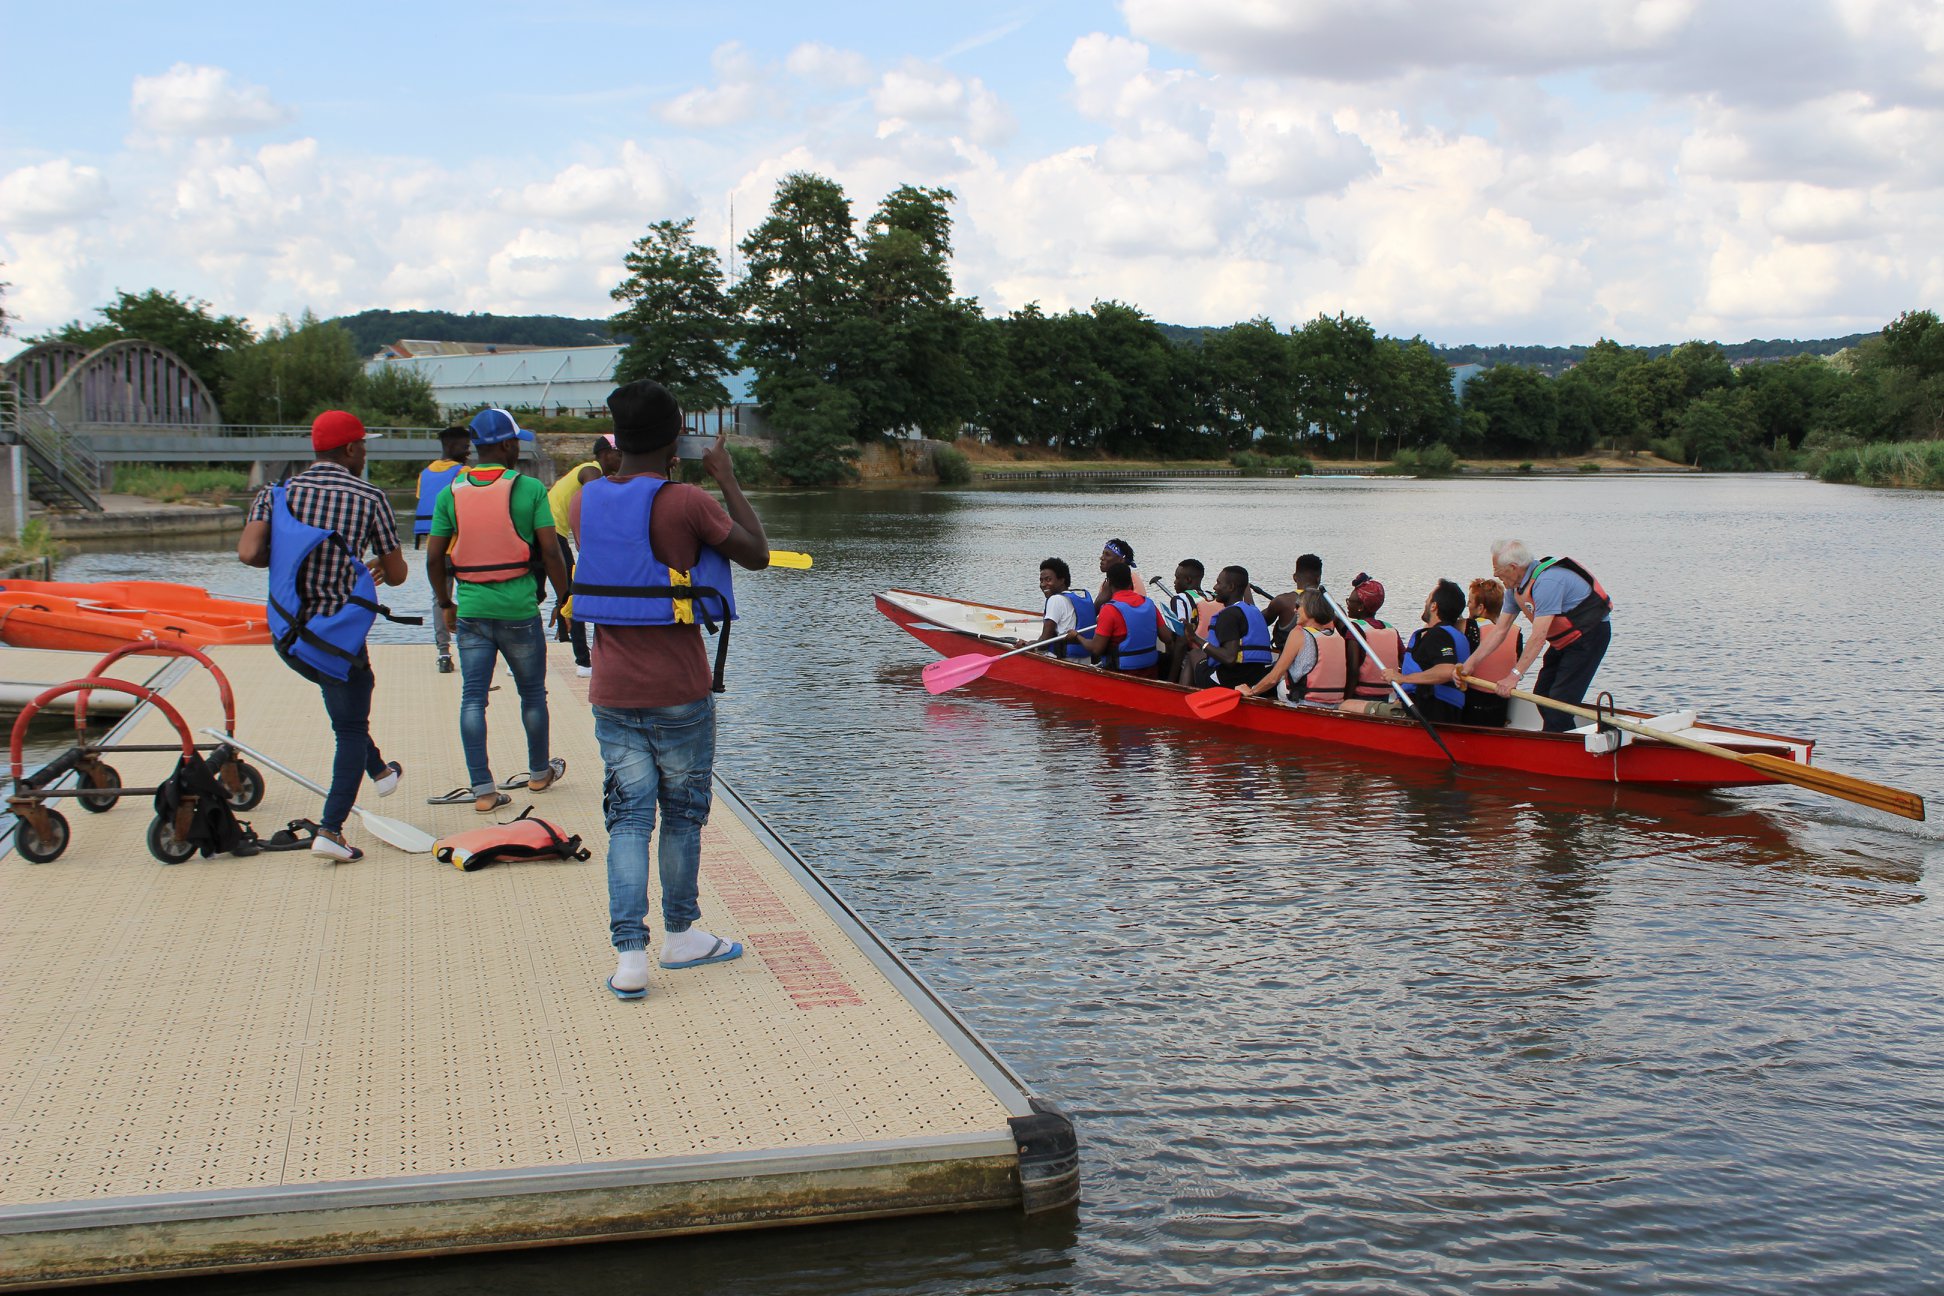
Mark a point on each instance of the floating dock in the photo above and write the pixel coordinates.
(272, 1061)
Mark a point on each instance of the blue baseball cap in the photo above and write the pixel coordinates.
(492, 426)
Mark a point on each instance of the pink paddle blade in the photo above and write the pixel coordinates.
(1212, 702)
(942, 676)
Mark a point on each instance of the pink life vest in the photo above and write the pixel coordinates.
(524, 838)
(486, 547)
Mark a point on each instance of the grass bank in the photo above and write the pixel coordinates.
(32, 544)
(1911, 465)
(172, 485)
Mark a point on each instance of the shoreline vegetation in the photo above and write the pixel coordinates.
(853, 339)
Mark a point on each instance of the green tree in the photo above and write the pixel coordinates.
(1791, 398)
(1519, 408)
(906, 348)
(188, 326)
(293, 372)
(676, 319)
(1719, 432)
(817, 448)
(1250, 370)
(1336, 359)
(798, 298)
(394, 396)
(1411, 399)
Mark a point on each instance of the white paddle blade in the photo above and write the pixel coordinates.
(397, 834)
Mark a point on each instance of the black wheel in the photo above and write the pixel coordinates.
(105, 776)
(251, 791)
(37, 848)
(162, 841)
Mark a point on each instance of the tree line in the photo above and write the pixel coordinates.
(857, 333)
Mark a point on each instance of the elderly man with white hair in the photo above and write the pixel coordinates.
(1568, 610)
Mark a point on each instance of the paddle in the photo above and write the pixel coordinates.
(1403, 695)
(1211, 702)
(942, 676)
(788, 558)
(413, 841)
(1848, 787)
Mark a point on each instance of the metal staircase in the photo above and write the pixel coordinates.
(62, 473)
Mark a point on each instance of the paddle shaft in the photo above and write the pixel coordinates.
(1403, 695)
(1828, 782)
(370, 817)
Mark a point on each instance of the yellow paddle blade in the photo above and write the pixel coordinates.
(786, 558)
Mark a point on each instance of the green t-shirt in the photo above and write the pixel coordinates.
(507, 600)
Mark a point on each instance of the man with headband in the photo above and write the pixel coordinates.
(1117, 551)
(644, 539)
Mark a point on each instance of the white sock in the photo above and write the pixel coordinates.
(631, 970)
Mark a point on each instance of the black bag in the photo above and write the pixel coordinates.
(214, 828)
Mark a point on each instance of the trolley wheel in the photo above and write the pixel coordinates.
(251, 792)
(105, 776)
(39, 849)
(162, 841)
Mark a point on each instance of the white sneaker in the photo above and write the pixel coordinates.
(695, 947)
(583, 671)
(387, 783)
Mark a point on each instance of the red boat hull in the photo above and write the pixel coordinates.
(1542, 755)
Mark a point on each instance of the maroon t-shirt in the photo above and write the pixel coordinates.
(659, 666)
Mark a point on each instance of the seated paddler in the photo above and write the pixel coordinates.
(1431, 661)
(1131, 633)
(1066, 608)
(1238, 650)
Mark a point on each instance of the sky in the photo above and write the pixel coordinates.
(1498, 171)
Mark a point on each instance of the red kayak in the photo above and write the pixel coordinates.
(955, 627)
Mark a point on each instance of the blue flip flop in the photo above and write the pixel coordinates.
(626, 994)
(722, 953)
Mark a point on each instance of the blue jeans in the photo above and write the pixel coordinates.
(662, 755)
(481, 642)
(348, 704)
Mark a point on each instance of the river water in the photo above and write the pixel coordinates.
(1333, 1023)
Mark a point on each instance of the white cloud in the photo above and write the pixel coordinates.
(827, 66)
(51, 195)
(736, 97)
(637, 187)
(200, 101)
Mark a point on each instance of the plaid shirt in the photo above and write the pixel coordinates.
(327, 495)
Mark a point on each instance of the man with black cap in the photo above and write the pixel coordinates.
(320, 590)
(653, 567)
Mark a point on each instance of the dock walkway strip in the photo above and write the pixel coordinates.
(277, 1060)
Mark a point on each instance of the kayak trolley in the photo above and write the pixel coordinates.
(42, 833)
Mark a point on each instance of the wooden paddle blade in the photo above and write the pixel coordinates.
(943, 676)
(1212, 702)
(788, 558)
(1846, 786)
(397, 833)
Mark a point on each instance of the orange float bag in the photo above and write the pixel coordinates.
(524, 838)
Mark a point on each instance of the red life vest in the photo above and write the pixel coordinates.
(1576, 620)
(1325, 682)
(1386, 649)
(486, 547)
(524, 838)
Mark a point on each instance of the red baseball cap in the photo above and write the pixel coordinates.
(335, 428)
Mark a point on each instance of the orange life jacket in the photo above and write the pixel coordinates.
(486, 547)
(1324, 684)
(524, 838)
(1205, 613)
(1386, 649)
(1503, 658)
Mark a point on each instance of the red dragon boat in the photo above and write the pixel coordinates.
(955, 627)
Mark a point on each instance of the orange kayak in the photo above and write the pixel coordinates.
(80, 617)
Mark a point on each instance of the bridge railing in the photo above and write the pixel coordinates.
(68, 471)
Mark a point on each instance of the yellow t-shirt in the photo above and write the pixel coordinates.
(560, 497)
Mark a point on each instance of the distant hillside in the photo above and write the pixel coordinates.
(1555, 360)
(374, 328)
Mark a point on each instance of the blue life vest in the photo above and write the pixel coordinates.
(1450, 694)
(1258, 649)
(1141, 648)
(430, 484)
(618, 580)
(329, 645)
(1084, 614)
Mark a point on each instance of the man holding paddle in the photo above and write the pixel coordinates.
(1568, 610)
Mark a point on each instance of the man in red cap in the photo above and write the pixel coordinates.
(332, 496)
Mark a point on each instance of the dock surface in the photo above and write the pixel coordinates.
(277, 1059)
